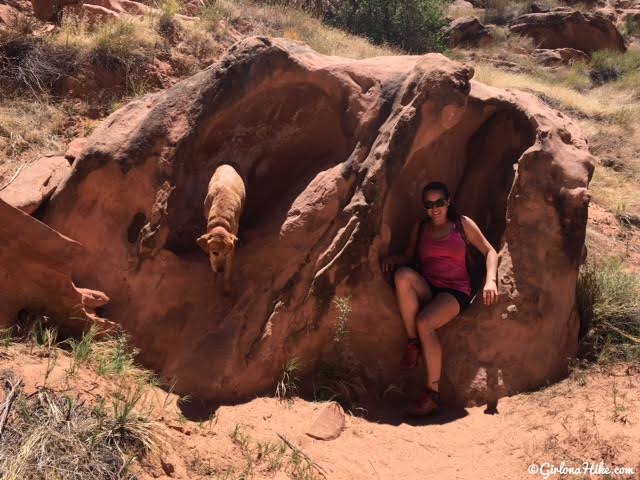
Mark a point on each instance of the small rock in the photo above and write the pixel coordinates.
(167, 468)
(35, 183)
(329, 424)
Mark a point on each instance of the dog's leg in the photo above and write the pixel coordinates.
(226, 289)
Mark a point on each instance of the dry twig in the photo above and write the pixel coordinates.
(7, 404)
(320, 469)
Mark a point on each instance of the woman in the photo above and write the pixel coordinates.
(430, 299)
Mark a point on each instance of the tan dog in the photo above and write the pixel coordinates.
(222, 208)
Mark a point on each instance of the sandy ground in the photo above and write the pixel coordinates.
(592, 416)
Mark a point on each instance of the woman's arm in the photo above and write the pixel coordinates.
(392, 261)
(478, 240)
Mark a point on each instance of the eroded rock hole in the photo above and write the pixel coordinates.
(278, 141)
(476, 159)
(137, 222)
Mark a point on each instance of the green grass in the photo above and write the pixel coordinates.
(211, 13)
(339, 381)
(114, 356)
(264, 458)
(6, 337)
(43, 333)
(337, 378)
(81, 349)
(608, 300)
(287, 386)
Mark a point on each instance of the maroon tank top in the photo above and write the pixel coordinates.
(443, 261)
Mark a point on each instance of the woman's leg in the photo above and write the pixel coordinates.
(411, 290)
(440, 310)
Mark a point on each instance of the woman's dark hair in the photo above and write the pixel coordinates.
(452, 213)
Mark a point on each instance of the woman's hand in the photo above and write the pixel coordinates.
(391, 262)
(490, 292)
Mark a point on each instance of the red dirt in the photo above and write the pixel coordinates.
(590, 416)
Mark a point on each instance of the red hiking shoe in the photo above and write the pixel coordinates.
(427, 403)
(412, 354)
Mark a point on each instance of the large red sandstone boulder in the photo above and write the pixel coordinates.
(466, 31)
(36, 183)
(334, 153)
(35, 274)
(570, 29)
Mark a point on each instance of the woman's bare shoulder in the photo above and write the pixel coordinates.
(467, 222)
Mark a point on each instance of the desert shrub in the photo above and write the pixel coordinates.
(500, 12)
(608, 65)
(30, 63)
(629, 28)
(412, 25)
(167, 24)
(116, 46)
(211, 13)
(608, 300)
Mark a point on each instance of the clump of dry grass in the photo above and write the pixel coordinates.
(53, 436)
(49, 435)
(575, 446)
(608, 300)
(130, 36)
(29, 127)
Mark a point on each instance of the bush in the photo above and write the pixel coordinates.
(30, 63)
(167, 25)
(607, 65)
(608, 300)
(413, 25)
(501, 12)
(115, 46)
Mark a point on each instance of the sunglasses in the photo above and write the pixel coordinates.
(441, 202)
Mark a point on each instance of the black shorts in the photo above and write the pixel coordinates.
(463, 299)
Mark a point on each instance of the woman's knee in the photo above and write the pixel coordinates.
(403, 276)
